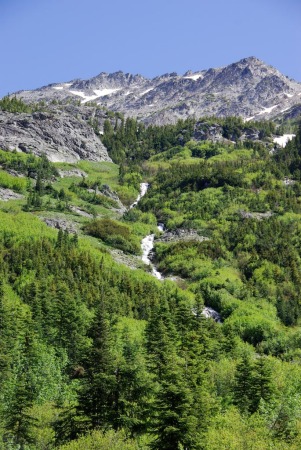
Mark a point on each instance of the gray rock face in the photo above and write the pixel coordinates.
(248, 88)
(8, 194)
(181, 234)
(208, 132)
(61, 134)
(72, 173)
(255, 215)
(61, 224)
(291, 112)
(105, 190)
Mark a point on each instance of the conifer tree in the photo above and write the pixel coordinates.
(133, 388)
(262, 386)
(19, 423)
(96, 398)
(173, 422)
(243, 390)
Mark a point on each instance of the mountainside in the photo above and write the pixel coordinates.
(152, 302)
(93, 352)
(248, 88)
(62, 134)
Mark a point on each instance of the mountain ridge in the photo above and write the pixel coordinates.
(248, 88)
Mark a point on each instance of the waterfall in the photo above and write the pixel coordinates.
(147, 245)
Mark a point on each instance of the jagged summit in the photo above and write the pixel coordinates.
(248, 88)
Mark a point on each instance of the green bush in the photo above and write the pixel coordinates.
(113, 233)
(11, 182)
(100, 441)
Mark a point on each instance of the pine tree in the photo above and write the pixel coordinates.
(173, 421)
(133, 388)
(96, 398)
(262, 386)
(19, 423)
(243, 390)
(4, 356)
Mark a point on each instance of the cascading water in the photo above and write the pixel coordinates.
(143, 190)
(147, 245)
(210, 312)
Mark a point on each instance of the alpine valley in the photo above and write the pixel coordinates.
(150, 262)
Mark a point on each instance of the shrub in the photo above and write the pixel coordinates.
(113, 233)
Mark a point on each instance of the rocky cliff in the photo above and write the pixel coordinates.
(63, 134)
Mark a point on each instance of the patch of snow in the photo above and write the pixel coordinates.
(285, 109)
(194, 77)
(98, 93)
(247, 119)
(266, 110)
(103, 92)
(289, 95)
(60, 87)
(145, 92)
(79, 93)
(283, 140)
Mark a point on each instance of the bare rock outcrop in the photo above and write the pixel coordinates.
(59, 134)
(61, 224)
(181, 234)
(7, 194)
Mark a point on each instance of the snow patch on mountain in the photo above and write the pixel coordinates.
(145, 92)
(247, 119)
(61, 87)
(98, 93)
(266, 110)
(194, 77)
(283, 140)
(104, 92)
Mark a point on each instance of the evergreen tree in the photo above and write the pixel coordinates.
(19, 424)
(96, 397)
(243, 389)
(173, 421)
(262, 386)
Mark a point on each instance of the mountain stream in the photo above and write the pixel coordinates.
(147, 245)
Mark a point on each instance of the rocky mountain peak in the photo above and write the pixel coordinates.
(248, 88)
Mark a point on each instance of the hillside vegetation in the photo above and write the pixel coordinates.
(94, 354)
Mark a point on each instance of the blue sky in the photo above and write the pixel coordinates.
(45, 41)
